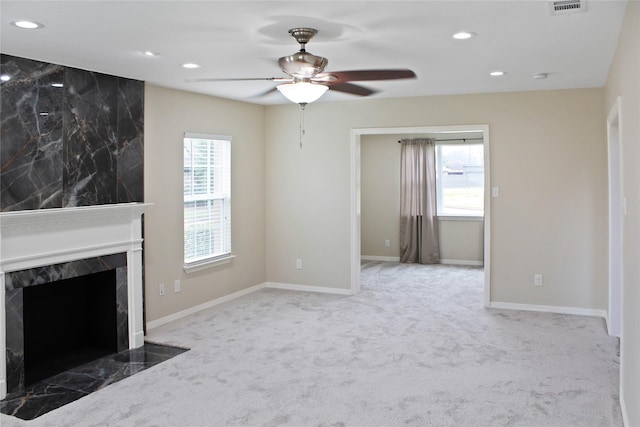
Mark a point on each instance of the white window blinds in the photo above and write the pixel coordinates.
(207, 198)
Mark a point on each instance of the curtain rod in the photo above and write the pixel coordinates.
(456, 139)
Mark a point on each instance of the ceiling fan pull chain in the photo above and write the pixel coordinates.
(302, 130)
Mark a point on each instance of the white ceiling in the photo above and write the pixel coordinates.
(244, 39)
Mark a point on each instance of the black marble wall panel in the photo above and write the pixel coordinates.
(14, 339)
(90, 138)
(31, 142)
(16, 281)
(78, 144)
(130, 140)
(122, 308)
(67, 270)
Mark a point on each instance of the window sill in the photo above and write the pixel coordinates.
(460, 218)
(208, 263)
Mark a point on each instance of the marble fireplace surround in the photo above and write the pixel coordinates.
(36, 238)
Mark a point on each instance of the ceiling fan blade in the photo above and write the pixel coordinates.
(351, 89)
(363, 75)
(265, 93)
(271, 79)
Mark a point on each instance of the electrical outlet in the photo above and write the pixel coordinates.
(161, 288)
(387, 243)
(537, 279)
(177, 286)
(298, 264)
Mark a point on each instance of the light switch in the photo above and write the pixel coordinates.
(495, 192)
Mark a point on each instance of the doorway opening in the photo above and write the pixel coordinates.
(361, 136)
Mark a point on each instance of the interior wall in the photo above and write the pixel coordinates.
(624, 82)
(168, 114)
(380, 175)
(548, 158)
(461, 241)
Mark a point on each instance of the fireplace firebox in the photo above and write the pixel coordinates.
(68, 323)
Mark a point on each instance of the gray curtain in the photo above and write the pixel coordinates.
(418, 221)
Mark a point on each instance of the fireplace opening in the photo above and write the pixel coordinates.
(68, 323)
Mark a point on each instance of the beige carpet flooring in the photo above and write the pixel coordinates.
(415, 348)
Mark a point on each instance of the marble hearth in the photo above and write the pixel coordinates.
(41, 246)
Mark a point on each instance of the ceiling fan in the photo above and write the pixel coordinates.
(307, 81)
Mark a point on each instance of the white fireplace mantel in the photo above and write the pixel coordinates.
(42, 237)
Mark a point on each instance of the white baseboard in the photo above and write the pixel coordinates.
(461, 262)
(287, 286)
(380, 258)
(611, 333)
(179, 315)
(306, 288)
(591, 312)
(442, 261)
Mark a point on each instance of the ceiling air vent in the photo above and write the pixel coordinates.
(566, 7)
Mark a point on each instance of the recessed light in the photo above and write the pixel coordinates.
(149, 53)
(28, 25)
(5, 78)
(497, 73)
(464, 35)
(191, 65)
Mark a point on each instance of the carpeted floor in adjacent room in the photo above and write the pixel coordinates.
(416, 347)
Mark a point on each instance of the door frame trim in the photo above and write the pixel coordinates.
(616, 223)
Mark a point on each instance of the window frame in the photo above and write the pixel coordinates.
(439, 191)
(226, 255)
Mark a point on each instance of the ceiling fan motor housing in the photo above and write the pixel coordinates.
(302, 65)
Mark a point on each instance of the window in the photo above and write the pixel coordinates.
(460, 179)
(207, 199)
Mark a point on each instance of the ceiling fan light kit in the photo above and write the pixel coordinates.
(302, 92)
